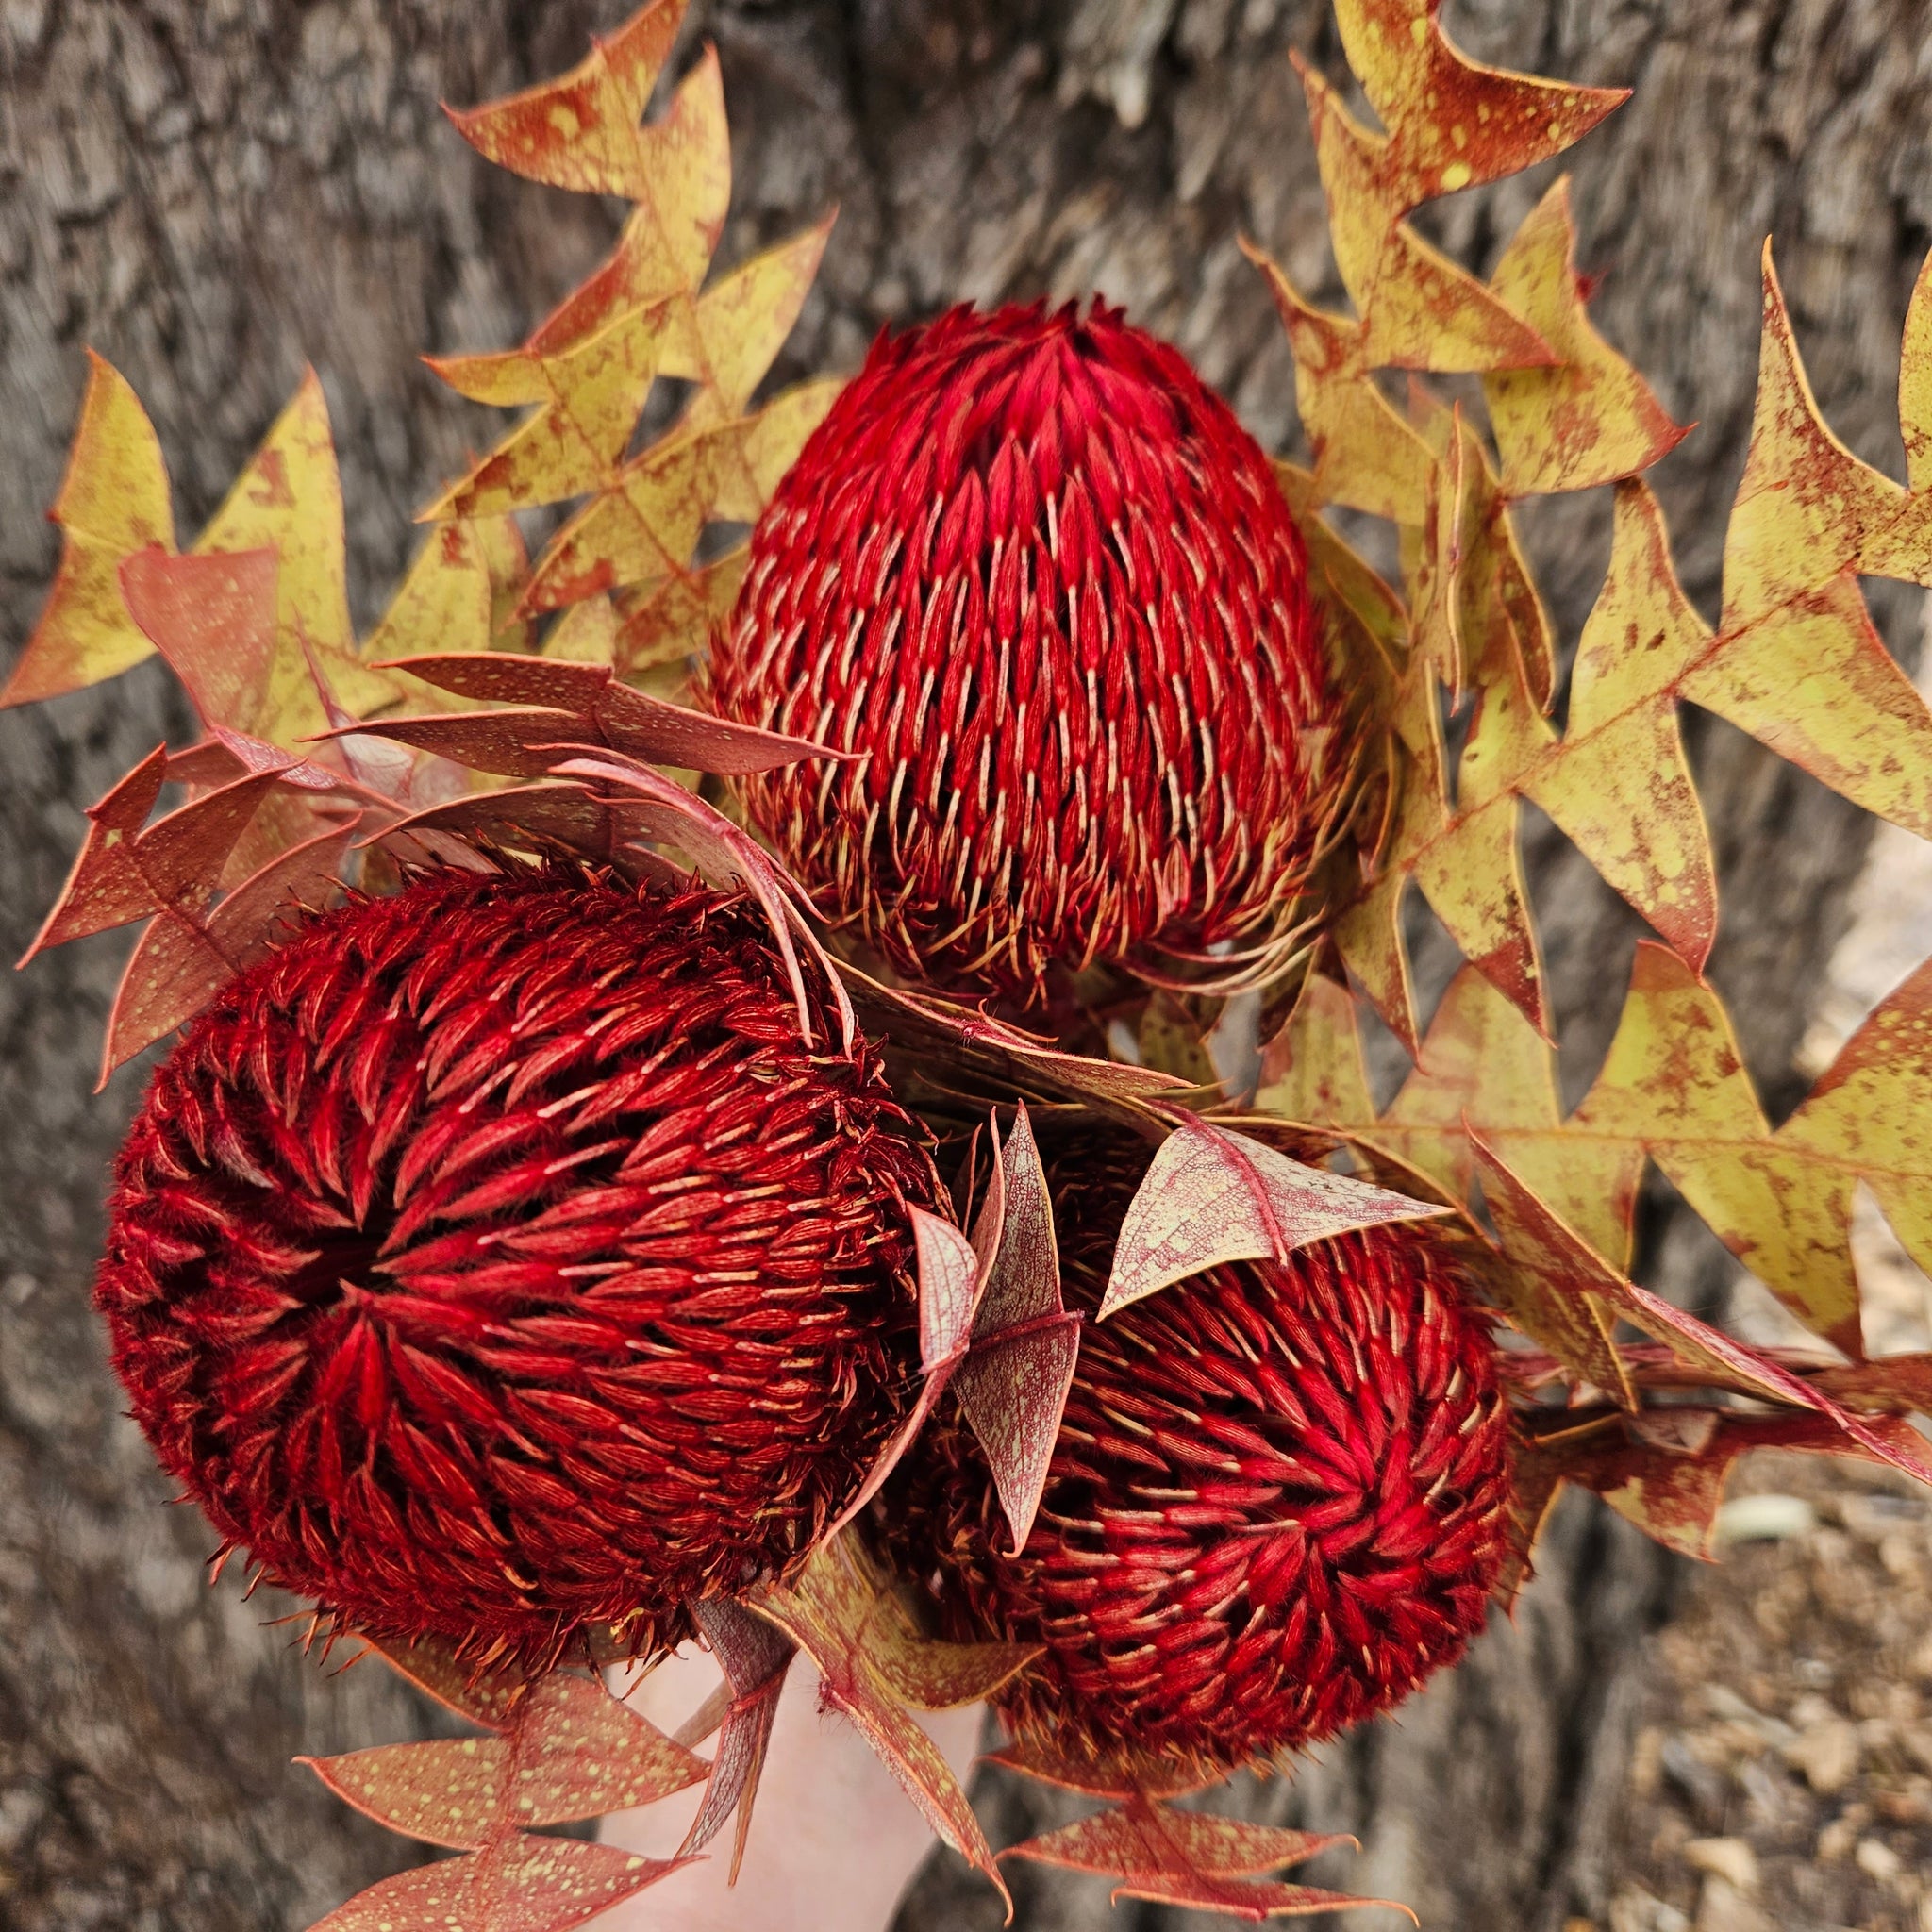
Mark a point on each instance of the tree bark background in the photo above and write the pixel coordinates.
(210, 192)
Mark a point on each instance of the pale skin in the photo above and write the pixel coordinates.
(833, 1840)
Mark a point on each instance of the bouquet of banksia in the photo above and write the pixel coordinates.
(695, 1115)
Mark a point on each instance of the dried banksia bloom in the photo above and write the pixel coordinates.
(1276, 1504)
(494, 1258)
(1036, 572)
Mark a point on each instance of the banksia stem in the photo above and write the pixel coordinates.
(1276, 1505)
(1037, 572)
(494, 1258)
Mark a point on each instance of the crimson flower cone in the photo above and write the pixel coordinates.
(495, 1259)
(1033, 569)
(1276, 1504)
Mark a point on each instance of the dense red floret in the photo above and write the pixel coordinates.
(1038, 574)
(1276, 1502)
(494, 1258)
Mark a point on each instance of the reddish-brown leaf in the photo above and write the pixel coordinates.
(577, 705)
(449, 1791)
(1452, 120)
(123, 872)
(526, 1884)
(1192, 1860)
(184, 958)
(526, 817)
(1212, 1197)
(1013, 1383)
(1666, 1470)
(932, 1674)
(965, 1040)
(825, 1611)
(951, 1273)
(1567, 1265)
(488, 1698)
(1125, 1775)
(581, 1754)
(754, 1657)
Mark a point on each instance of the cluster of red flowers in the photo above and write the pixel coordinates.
(1038, 574)
(504, 1256)
(1276, 1502)
(494, 1258)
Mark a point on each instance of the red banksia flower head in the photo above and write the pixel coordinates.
(494, 1258)
(1276, 1504)
(1036, 572)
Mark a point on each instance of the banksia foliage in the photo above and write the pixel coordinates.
(1036, 572)
(493, 1258)
(533, 1260)
(1277, 1502)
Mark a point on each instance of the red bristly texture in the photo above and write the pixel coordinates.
(1276, 1504)
(494, 1259)
(1037, 572)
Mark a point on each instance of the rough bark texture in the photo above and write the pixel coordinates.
(211, 190)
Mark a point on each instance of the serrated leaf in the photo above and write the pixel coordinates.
(254, 621)
(526, 1885)
(1071, 1766)
(485, 1697)
(581, 130)
(1806, 509)
(1565, 1263)
(1213, 1197)
(449, 1791)
(1343, 581)
(1673, 1090)
(756, 1656)
(585, 634)
(1619, 784)
(951, 1274)
(669, 237)
(675, 618)
(1588, 418)
(645, 526)
(1674, 1085)
(125, 871)
(1814, 681)
(1666, 1470)
(737, 327)
(825, 1611)
(581, 1753)
(187, 956)
(289, 499)
(1014, 1379)
(591, 395)
(1366, 457)
(565, 703)
(1194, 1860)
(444, 600)
(1867, 1114)
(1915, 382)
(113, 501)
(1418, 311)
(1453, 123)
